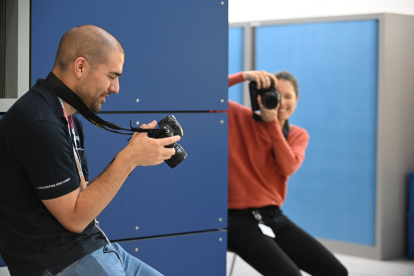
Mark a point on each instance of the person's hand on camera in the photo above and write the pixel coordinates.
(262, 78)
(146, 151)
(268, 115)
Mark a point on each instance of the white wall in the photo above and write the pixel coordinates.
(261, 10)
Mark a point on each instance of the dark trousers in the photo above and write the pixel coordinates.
(292, 249)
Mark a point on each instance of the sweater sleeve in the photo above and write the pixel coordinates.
(235, 78)
(289, 154)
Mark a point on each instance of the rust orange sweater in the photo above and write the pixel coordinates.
(256, 179)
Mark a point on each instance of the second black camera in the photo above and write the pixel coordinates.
(270, 97)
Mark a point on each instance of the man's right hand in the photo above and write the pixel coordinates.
(145, 151)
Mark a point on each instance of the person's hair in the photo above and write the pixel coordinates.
(88, 41)
(284, 75)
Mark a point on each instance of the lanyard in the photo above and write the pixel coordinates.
(83, 185)
(71, 129)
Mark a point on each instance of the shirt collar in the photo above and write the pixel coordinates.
(43, 89)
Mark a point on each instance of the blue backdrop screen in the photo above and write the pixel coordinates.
(333, 194)
(236, 62)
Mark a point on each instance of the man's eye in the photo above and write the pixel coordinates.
(112, 78)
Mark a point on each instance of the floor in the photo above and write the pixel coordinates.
(356, 267)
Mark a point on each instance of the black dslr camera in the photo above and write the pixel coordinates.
(172, 127)
(270, 97)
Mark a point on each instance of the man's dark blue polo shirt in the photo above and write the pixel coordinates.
(37, 163)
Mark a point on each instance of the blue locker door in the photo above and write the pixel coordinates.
(333, 193)
(176, 51)
(159, 200)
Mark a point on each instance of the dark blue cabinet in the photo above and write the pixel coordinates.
(176, 62)
(176, 51)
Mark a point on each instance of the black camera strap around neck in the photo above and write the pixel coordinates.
(70, 97)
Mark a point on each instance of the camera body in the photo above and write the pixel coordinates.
(172, 127)
(270, 97)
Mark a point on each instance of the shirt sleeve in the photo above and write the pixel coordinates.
(289, 155)
(45, 151)
(235, 78)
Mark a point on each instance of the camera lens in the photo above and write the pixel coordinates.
(178, 157)
(171, 127)
(270, 100)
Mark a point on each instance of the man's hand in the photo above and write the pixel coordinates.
(268, 115)
(262, 78)
(145, 151)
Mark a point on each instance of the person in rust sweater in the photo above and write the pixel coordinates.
(262, 156)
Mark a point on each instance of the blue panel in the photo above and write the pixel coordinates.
(202, 254)
(236, 62)
(160, 200)
(176, 51)
(333, 195)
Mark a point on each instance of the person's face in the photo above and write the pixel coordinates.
(288, 99)
(101, 82)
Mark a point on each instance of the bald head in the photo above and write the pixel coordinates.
(88, 41)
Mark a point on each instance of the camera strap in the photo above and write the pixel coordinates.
(70, 97)
(285, 129)
(256, 116)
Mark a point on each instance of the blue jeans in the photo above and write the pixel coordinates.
(110, 260)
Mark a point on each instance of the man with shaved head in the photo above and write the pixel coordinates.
(47, 206)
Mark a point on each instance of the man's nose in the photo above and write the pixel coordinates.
(114, 87)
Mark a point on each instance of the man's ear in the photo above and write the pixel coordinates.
(80, 67)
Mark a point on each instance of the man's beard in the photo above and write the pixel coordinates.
(92, 103)
(95, 105)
